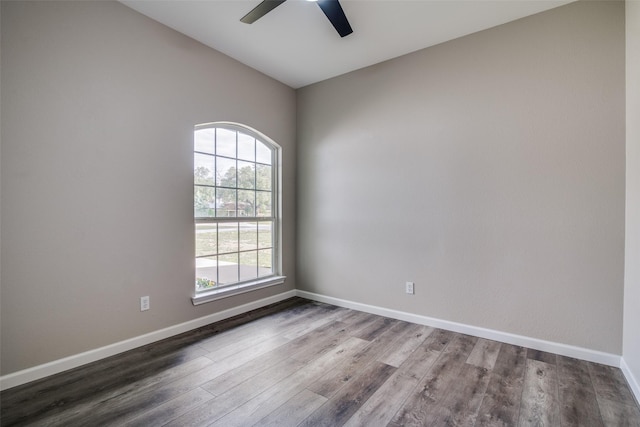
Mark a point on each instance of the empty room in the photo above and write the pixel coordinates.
(354, 212)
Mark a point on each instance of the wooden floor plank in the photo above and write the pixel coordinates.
(302, 349)
(230, 342)
(268, 366)
(251, 352)
(408, 342)
(342, 372)
(609, 383)
(460, 405)
(615, 400)
(170, 410)
(309, 325)
(439, 339)
(253, 319)
(619, 414)
(501, 404)
(294, 411)
(357, 317)
(58, 394)
(380, 408)
(419, 408)
(342, 405)
(541, 356)
(71, 386)
(130, 400)
(362, 324)
(540, 403)
(374, 328)
(484, 354)
(123, 403)
(237, 396)
(324, 340)
(579, 405)
(261, 405)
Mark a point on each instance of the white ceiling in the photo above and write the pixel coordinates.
(296, 44)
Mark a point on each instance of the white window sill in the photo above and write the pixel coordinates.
(240, 288)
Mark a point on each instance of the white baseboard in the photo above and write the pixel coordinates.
(631, 379)
(57, 366)
(534, 343)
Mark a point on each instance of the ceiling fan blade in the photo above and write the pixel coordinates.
(260, 10)
(336, 15)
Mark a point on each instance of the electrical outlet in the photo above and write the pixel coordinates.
(409, 287)
(144, 303)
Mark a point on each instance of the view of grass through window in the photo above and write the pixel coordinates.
(233, 207)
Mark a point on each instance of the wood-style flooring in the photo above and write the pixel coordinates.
(303, 363)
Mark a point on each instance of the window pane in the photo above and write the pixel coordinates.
(204, 140)
(206, 239)
(206, 273)
(227, 237)
(246, 147)
(203, 168)
(263, 177)
(228, 268)
(226, 203)
(248, 265)
(246, 202)
(204, 201)
(233, 178)
(264, 262)
(263, 203)
(246, 174)
(225, 142)
(265, 234)
(225, 172)
(263, 153)
(248, 236)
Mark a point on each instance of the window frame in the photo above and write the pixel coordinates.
(276, 277)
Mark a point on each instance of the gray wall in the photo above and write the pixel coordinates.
(489, 170)
(631, 348)
(98, 108)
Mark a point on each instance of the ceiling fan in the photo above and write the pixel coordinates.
(331, 9)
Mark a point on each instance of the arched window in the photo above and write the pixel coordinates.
(236, 210)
